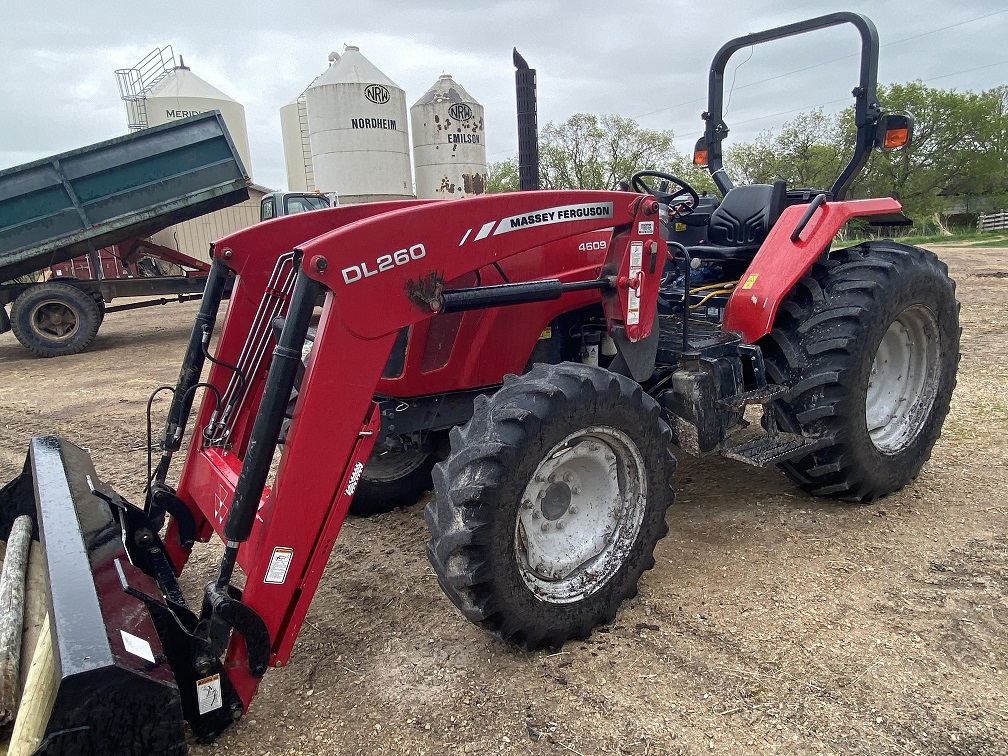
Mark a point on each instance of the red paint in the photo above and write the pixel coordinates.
(332, 432)
(780, 262)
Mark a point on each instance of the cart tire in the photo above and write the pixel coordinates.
(100, 303)
(392, 479)
(550, 503)
(868, 342)
(55, 319)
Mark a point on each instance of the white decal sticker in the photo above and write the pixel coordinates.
(383, 263)
(208, 694)
(354, 479)
(550, 215)
(279, 563)
(633, 299)
(636, 257)
(137, 646)
(645, 228)
(484, 232)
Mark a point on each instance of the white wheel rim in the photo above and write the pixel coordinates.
(54, 320)
(904, 380)
(580, 514)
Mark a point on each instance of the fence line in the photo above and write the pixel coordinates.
(993, 222)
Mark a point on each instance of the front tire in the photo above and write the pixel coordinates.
(868, 342)
(550, 504)
(54, 319)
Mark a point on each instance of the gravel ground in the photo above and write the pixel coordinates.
(771, 623)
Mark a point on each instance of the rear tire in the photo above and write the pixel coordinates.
(868, 341)
(54, 319)
(550, 504)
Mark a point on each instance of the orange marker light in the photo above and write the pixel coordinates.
(895, 138)
(700, 158)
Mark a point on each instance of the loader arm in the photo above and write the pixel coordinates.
(378, 274)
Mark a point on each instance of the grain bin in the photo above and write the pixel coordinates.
(180, 93)
(358, 132)
(297, 140)
(449, 149)
(297, 146)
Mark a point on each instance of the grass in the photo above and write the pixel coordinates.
(968, 238)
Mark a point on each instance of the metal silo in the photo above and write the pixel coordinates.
(358, 133)
(297, 140)
(449, 150)
(178, 93)
(296, 146)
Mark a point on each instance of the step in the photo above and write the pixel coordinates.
(771, 450)
(703, 337)
(763, 395)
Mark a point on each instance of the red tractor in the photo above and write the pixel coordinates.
(550, 346)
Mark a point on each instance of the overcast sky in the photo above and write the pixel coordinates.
(648, 61)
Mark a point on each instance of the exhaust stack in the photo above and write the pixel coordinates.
(528, 126)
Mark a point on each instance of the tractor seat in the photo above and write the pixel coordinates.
(742, 221)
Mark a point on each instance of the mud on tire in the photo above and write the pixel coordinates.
(550, 504)
(868, 341)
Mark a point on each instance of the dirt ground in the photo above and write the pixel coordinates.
(771, 623)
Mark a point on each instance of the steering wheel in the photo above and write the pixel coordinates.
(685, 196)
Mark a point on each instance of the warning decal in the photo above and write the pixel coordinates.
(208, 694)
(633, 299)
(279, 564)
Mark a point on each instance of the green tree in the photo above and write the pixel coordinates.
(502, 176)
(809, 151)
(597, 152)
(958, 148)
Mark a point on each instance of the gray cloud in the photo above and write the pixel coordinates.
(647, 61)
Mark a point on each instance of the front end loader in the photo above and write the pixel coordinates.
(125, 639)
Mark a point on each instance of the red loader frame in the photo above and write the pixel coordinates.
(382, 267)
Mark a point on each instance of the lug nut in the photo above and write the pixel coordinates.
(545, 527)
(535, 514)
(552, 479)
(568, 477)
(572, 509)
(559, 525)
(576, 490)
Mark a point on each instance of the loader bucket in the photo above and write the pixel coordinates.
(112, 688)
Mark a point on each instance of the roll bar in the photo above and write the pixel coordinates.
(866, 107)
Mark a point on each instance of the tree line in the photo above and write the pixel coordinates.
(956, 163)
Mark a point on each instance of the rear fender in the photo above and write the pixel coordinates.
(780, 262)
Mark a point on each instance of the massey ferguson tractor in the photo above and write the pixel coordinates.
(551, 348)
